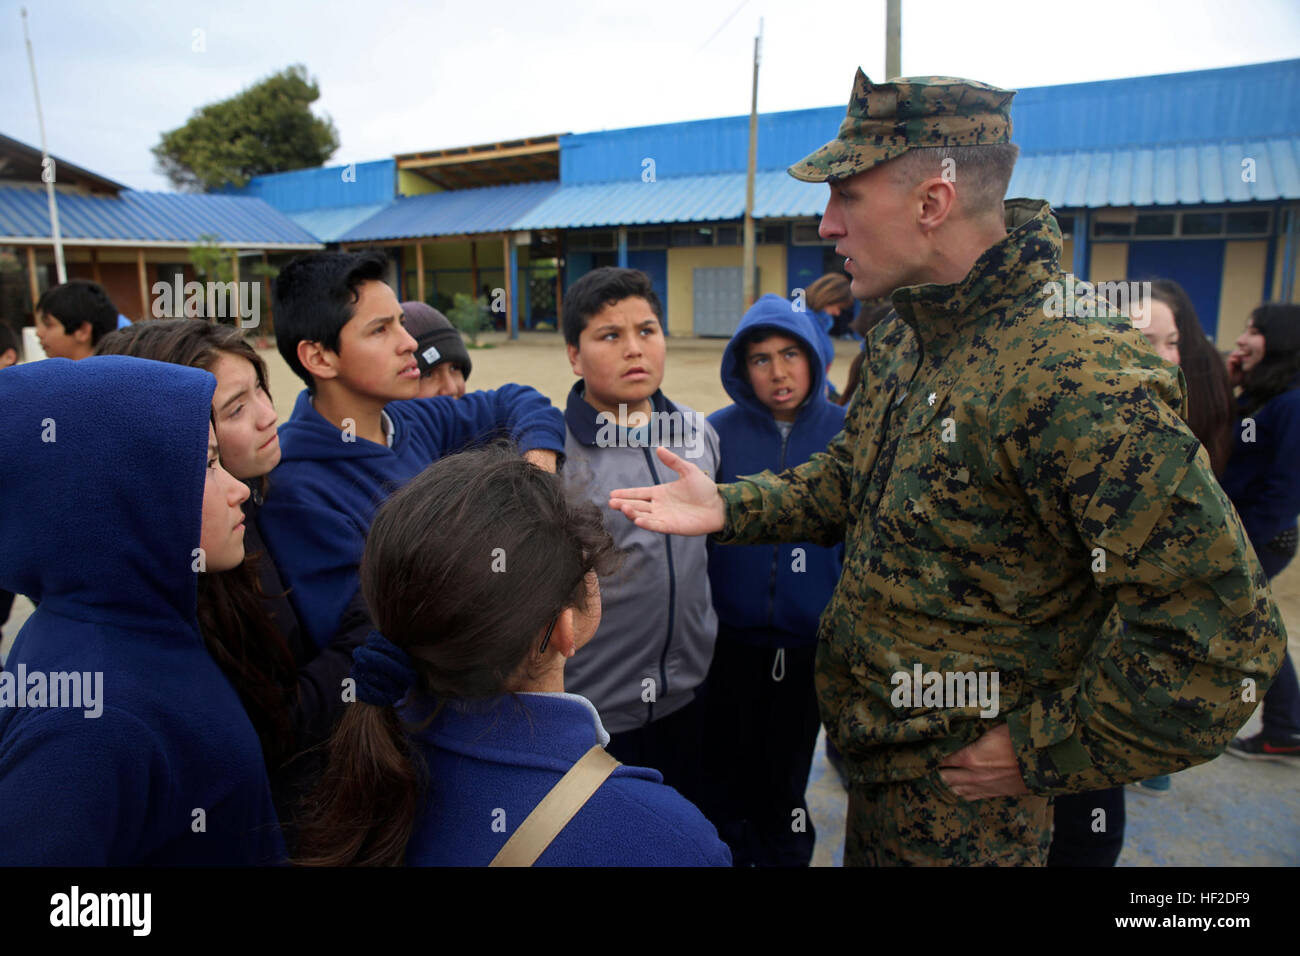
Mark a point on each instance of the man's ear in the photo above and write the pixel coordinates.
(8, 357)
(575, 361)
(84, 334)
(318, 360)
(938, 197)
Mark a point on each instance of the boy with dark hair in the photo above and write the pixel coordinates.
(657, 626)
(761, 720)
(73, 317)
(353, 435)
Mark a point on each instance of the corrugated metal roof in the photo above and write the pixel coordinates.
(454, 213)
(1162, 175)
(1235, 104)
(328, 224)
(680, 199)
(179, 218)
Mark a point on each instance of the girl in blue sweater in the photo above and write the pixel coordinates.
(483, 580)
(1263, 481)
(290, 689)
(145, 755)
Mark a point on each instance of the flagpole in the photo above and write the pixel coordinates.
(47, 164)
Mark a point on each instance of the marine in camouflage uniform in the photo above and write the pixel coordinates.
(1006, 478)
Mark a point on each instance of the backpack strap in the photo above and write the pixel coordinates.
(557, 808)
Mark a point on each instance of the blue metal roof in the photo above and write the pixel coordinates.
(679, 199)
(454, 213)
(1162, 176)
(303, 190)
(150, 218)
(1235, 104)
(328, 224)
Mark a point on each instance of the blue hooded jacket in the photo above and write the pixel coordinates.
(104, 463)
(325, 490)
(759, 595)
(491, 762)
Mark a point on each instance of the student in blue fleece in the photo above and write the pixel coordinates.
(462, 725)
(163, 765)
(761, 719)
(353, 436)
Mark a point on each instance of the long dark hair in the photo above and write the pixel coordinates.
(232, 619)
(465, 567)
(1277, 370)
(1210, 413)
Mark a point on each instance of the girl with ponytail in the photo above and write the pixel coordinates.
(483, 577)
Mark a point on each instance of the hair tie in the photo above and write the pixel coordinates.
(382, 671)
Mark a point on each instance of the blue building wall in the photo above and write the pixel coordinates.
(326, 187)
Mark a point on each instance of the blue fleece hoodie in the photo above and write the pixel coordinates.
(1263, 475)
(325, 490)
(491, 762)
(759, 595)
(107, 458)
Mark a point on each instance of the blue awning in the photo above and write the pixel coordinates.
(1188, 174)
(148, 218)
(678, 199)
(457, 212)
(328, 224)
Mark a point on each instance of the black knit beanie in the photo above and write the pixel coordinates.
(436, 339)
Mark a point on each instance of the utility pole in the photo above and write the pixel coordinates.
(47, 165)
(893, 38)
(748, 255)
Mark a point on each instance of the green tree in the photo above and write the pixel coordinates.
(470, 316)
(267, 128)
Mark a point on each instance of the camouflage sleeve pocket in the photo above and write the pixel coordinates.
(1127, 485)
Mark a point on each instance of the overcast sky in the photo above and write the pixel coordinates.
(427, 74)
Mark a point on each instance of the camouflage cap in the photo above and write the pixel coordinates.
(885, 120)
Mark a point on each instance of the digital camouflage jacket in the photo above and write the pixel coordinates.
(1003, 481)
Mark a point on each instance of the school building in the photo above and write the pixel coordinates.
(126, 240)
(1191, 176)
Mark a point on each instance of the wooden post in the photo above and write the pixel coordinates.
(33, 284)
(510, 292)
(419, 271)
(94, 266)
(270, 313)
(559, 281)
(473, 268)
(145, 312)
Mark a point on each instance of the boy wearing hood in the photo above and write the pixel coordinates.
(762, 720)
(358, 431)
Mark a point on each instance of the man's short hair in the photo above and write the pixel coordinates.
(315, 296)
(77, 302)
(980, 173)
(600, 288)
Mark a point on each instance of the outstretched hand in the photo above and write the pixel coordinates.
(690, 505)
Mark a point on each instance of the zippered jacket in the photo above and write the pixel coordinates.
(657, 627)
